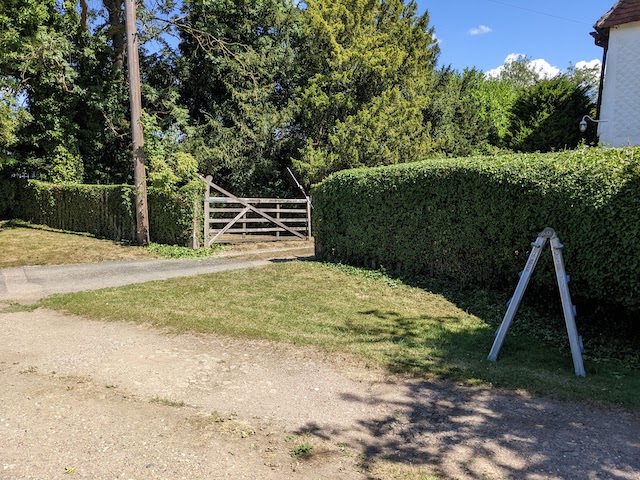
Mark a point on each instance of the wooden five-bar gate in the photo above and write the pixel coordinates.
(228, 218)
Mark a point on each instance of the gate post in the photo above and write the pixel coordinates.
(207, 213)
(308, 218)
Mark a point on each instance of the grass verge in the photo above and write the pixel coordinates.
(379, 319)
(175, 251)
(22, 244)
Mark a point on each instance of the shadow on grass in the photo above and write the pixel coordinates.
(535, 356)
(445, 347)
(462, 430)
(16, 223)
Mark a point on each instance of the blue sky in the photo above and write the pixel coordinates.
(481, 33)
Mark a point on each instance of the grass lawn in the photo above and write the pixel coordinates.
(24, 244)
(369, 315)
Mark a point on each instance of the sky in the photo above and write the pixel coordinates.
(483, 33)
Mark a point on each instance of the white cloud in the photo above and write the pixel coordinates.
(543, 68)
(540, 66)
(512, 57)
(582, 64)
(495, 72)
(480, 30)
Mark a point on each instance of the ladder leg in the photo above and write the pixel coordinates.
(567, 306)
(517, 297)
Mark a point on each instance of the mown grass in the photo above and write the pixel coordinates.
(24, 244)
(370, 315)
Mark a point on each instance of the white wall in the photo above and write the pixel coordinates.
(621, 91)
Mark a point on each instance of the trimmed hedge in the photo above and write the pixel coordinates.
(174, 216)
(7, 198)
(472, 220)
(106, 211)
(102, 210)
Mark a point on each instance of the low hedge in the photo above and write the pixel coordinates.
(106, 211)
(472, 220)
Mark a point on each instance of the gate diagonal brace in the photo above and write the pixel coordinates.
(208, 181)
(575, 342)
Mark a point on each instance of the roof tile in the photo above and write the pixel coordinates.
(625, 11)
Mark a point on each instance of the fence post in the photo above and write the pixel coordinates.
(207, 214)
(244, 226)
(308, 218)
(195, 241)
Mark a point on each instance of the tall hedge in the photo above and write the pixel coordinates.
(103, 210)
(472, 220)
(106, 211)
(7, 197)
(174, 216)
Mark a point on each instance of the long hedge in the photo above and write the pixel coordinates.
(472, 220)
(106, 211)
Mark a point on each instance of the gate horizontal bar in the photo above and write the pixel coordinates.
(255, 200)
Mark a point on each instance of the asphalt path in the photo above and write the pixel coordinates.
(31, 283)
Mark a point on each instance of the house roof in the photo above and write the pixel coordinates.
(624, 11)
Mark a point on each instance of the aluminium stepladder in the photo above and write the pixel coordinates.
(567, 307)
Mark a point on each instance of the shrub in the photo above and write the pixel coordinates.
(7, 197)
(102, 210)
(106, 211)
(173, 216)
(472, 220)
(545, 117)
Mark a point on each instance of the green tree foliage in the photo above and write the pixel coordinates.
(35, 60)
(237, 72)
(254, 86)
(520, 72)
(12, 118)
(68, 64)
(166, 123)
(496, 98)
(370, 65)
(545, 117)
(102, 111)
(587, 76)
(57, 65)
(457, 112)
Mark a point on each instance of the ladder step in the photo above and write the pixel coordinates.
(575, 310)
(509, 302)
(580, 344)
(568, 278)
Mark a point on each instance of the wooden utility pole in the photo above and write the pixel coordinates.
(139, 174)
